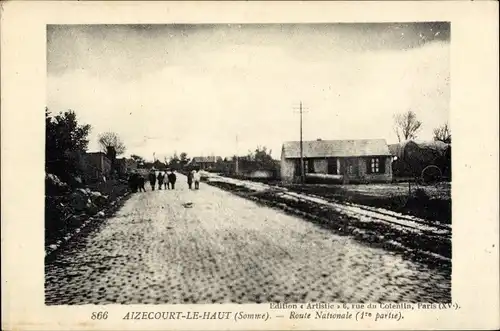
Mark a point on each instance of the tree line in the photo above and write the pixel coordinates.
(258, 159)
(66, 142)
(176, 161)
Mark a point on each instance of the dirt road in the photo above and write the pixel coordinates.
(223, 249)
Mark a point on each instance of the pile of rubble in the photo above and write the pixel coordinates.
(69, 211)
(87, 201)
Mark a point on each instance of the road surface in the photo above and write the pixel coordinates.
(227, 249)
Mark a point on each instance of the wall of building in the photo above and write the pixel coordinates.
(287, 170)
(121, 165)
(351, 166)
(106, 165)
(359, 173)
(320, 166)
(96, 165)
(384, 177)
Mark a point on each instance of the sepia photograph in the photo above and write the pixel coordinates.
(241, 165)
(248, 163)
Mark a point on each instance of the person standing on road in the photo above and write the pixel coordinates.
(190, 179)
(132, 182)
(165, 180)
(140, 183)
(161, 178)
(197, 178)
(172, 178)
(152, 179)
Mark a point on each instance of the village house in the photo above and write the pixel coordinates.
(130, 165)
(125, 165)
(97, 165)
(349, 161)
(204, 162)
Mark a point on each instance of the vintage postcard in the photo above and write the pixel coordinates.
(243, 165)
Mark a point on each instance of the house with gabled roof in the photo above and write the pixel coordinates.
(361, 160)
(204, 162)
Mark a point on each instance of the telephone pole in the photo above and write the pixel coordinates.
(302, 173)
(236, 170)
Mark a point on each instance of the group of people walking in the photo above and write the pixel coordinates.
(136, 182)
(165, 179)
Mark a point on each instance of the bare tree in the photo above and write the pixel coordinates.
(406, 125)
(443, 133)
(111, 139)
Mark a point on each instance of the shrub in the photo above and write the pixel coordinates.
(421, 195)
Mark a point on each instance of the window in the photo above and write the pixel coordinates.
(310, 166)
(375, 166)
(332, 166)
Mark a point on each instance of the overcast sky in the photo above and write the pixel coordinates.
(194, 88)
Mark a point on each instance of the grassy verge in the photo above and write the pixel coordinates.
(434, 204)
(430, 202)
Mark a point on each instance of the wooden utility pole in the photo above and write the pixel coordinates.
(236, 170)
(302, 172)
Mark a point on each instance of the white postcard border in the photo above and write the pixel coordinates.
(474, 119)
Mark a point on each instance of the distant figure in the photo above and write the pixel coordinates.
(152, 179)
(132, 182)
(172, 178)
(165, 182)
(197, 178)
(190, 179)
(161, 178)
(140, 181)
